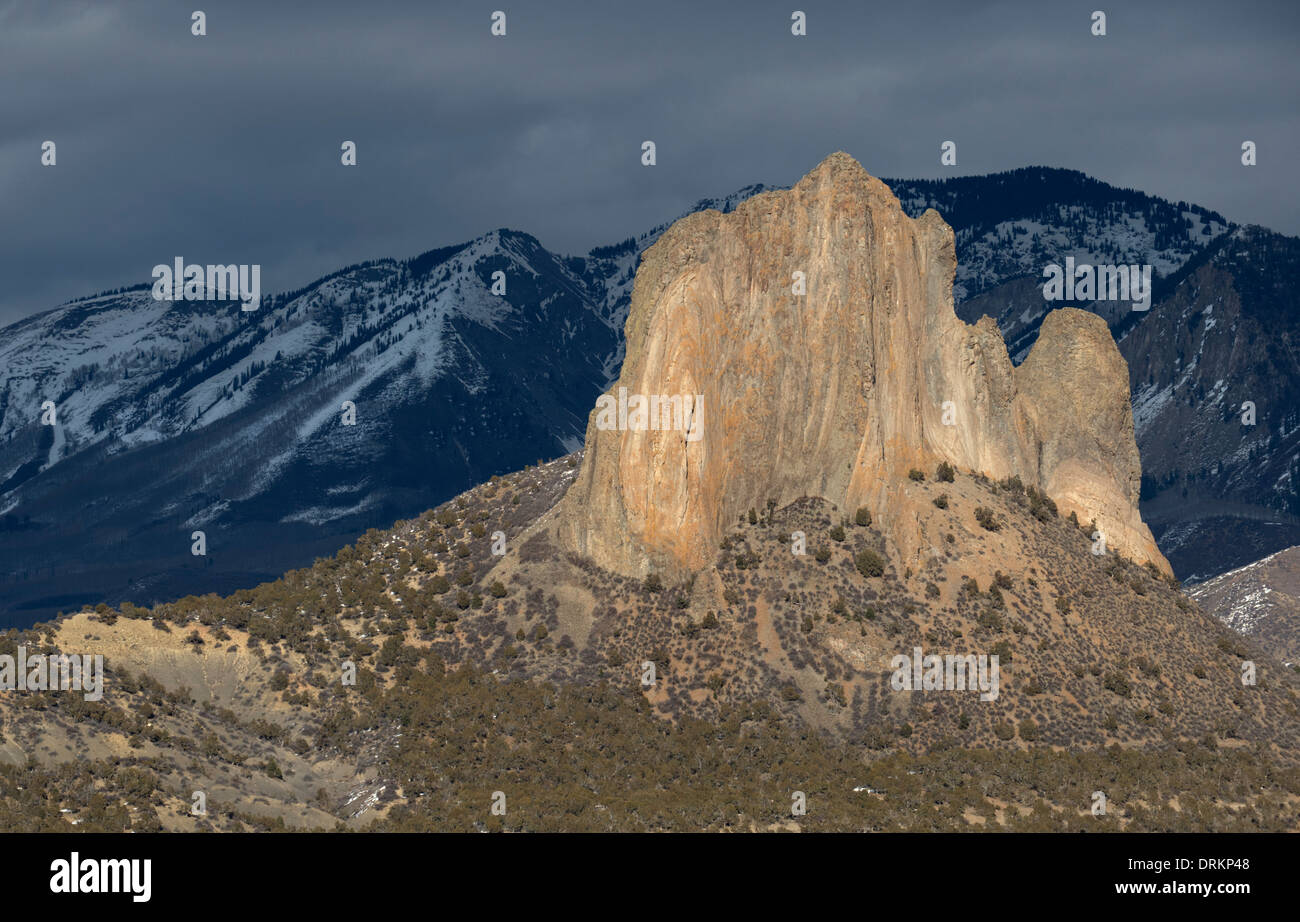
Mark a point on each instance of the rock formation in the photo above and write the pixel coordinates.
(837, 391)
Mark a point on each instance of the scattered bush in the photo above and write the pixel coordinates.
(869, 563)
(1117, 683)
(1040, 507)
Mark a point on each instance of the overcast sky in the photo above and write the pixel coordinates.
(225, 148)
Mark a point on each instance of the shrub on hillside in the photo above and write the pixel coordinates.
(1117, 683)
(1040, 506)
(869, 563)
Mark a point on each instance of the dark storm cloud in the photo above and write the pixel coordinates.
(226, 148)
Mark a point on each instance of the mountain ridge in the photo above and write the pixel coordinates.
(541, 414)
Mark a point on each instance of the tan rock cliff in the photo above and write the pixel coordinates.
(839, 391)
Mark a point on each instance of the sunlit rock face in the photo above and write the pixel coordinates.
(835, 383)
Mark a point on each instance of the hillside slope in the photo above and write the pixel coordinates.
(523, 674)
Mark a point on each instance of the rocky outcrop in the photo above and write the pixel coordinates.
(814, 331)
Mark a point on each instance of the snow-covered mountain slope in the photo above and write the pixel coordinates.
(133, 371)
(1012, 224)
(1261, 599)
(1215, 377)
(1009, 226)
(172, 417)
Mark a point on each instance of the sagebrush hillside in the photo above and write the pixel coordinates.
(522, 674)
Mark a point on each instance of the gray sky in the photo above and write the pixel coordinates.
(225, 148)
